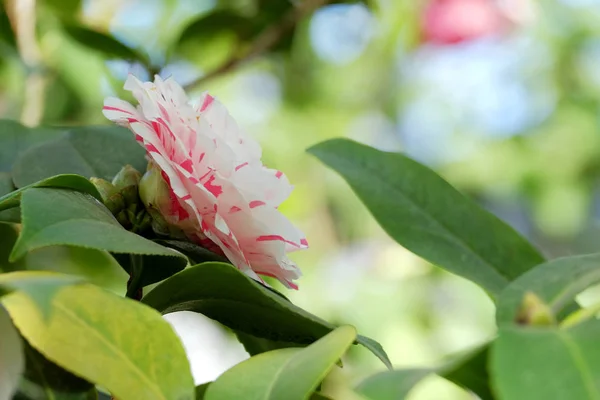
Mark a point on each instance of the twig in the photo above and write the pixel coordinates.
(265, 41)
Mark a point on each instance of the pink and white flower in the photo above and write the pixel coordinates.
(220, 191)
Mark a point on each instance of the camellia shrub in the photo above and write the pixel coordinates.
(177, 195)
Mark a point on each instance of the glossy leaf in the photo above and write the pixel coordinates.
(556, 283)
(423, 213)
(40, 286)
(116, 343)
(46, 380)
(72, 182)
(468, 371)
(6, 186)
(283, 374)
(8, 237)
(223, 293)
(392, 385)
(12, 362)
(61, 217)
(16, 138)
(81, 151)
(104, 44)
(534, 363)
(255, 345)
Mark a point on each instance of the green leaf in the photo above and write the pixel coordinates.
(6, 186)
(392, 385)
(66, 9)
(555, 282)
(94, 151)
(104, 44)
(195, 253)
(16, 138)
(45, 380)
(8, 237)
(531, 363)
(283, 374)
(40, 286)
(468, 371)
(12, 363)
(113, 342)
(201, 390)
(223, 293)
(423, 213)
(255, 345)
(210, 25)
(73, 182)
(60, 217)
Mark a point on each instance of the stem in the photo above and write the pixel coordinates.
(580, 316)
(134, 288)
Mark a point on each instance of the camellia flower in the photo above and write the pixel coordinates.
(216, 190)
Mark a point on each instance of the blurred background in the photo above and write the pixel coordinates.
(501, 97)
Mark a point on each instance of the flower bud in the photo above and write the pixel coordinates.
(534, 311)
(154, 191)
(105, 188)
(127, 176)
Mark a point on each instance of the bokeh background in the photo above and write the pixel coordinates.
(501, 97)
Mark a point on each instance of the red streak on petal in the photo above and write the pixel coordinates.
(278, 174)
(268, 238)
(164, 112)
(234, 209)
(151, 148)
(241, 166)
(186, 197)
(130, 120)
(204, 226)
(256, 203)
(216, 190)
(201, 157)
(207, 102)
(109, 108)
(304, 242)
(165, 177)
(187, 165)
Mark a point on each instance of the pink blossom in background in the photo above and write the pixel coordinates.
(456, 21)
(220, 193)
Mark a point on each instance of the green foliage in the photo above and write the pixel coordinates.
(109, 354)
(77, 183)
(57, 217)
(468, 371)
(547, 363)
(81, 151)
(223, 293)
(16, 139)
(105, 44)
(283, 374)
(11, 356)
(429, 217)
(556, 283)
(43, 379)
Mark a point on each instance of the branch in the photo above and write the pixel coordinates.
(264, 42)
